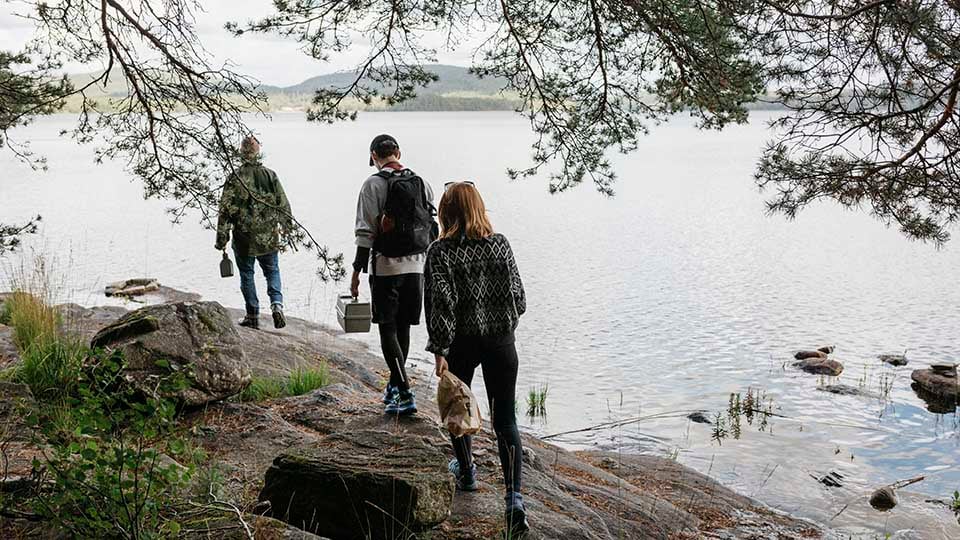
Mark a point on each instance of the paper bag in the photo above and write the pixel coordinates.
(459, 411)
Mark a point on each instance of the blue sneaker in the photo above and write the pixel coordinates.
(465, 482)
(390, 393)
(516, 517)
(403, 404)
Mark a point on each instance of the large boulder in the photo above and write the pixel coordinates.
(197, 337)
(366, 484)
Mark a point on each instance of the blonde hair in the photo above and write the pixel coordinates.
(462, 213)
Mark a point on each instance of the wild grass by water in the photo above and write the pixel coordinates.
(51, 359)
(301, 381)
(537, 401)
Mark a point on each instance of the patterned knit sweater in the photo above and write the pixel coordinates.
(471, 288)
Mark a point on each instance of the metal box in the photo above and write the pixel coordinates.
(353, 316)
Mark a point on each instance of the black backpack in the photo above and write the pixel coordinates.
(407, 224)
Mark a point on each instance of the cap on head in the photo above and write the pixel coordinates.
(383, 146)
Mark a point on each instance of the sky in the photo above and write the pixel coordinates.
(270, 59)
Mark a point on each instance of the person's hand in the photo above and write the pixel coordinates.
(355, 284)
(442, 366)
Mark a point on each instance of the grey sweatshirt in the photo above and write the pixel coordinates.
(370, 203)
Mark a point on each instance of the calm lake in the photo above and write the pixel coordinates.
(668, 298)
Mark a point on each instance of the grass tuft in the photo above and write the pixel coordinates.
(537, 401)
(50, 362)
(301, 381)
(34, 321)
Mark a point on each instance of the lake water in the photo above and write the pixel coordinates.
(670, 297)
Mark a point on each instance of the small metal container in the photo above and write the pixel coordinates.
(353, 316)
(226, 266)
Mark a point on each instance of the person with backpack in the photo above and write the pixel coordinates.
(474, 298)
(254, 206)
(394, 227)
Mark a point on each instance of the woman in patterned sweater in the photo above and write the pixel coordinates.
(474, 298)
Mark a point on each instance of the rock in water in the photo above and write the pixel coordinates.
(196, 336)
(398, 482)
(846, 390)
(894, 359)
(939, 383)
(803, 355)
(820, 366)
(699, 417)
(132, 287)
(939, 388)
(883, 499)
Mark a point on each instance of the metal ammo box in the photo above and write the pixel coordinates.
(352, 315)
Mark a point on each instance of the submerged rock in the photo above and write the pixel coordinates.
(820, 366)
(894, 359)
(846, 390)
(831, 479)
(398, 482)
(197, 337)
(884, 499)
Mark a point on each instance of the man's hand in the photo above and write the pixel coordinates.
(355, 284)
(222, 239)
(442, 366)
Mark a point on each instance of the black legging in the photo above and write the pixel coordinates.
(395, 343)
(498, 359)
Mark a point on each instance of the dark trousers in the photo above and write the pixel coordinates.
(397, 304)
(270, 264)
(497, 356)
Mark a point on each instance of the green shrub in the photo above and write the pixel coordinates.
(105, 465)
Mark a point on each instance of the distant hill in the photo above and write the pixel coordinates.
(453, 80)
(456, 90)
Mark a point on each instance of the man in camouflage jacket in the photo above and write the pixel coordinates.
(255, 208)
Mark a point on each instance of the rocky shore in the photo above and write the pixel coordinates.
(329, 464)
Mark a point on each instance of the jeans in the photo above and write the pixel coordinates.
(270, 264)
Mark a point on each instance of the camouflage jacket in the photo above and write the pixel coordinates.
(255, 207)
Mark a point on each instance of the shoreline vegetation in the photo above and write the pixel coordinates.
(172, 422)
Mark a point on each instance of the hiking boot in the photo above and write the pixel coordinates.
(390, 393)
(404, 404)
(515, 517)
(465, 482)
(279, 321)
(250, 321)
